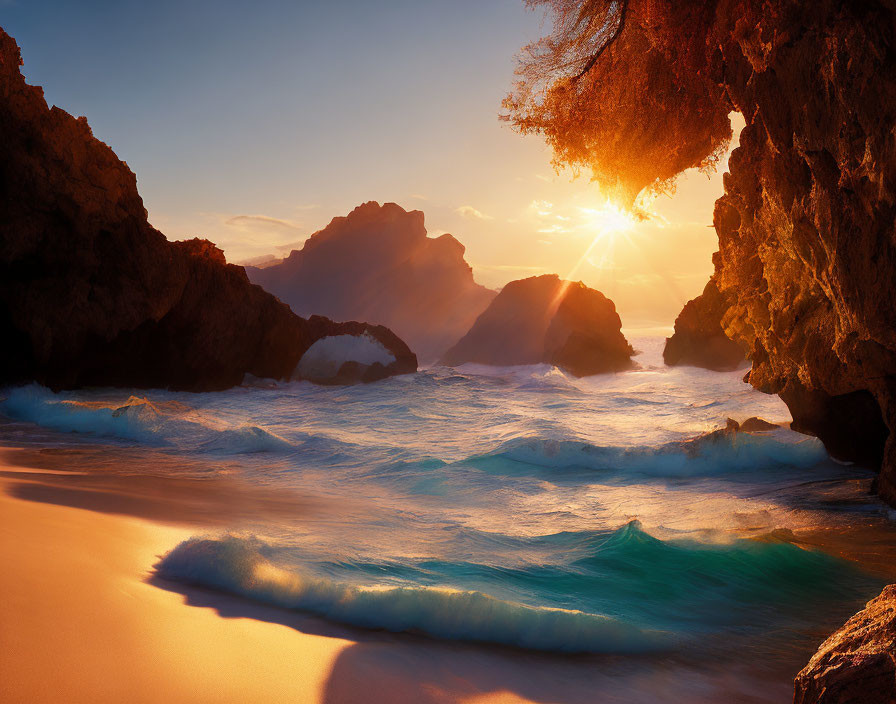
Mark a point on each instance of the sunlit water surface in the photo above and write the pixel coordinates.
(515, 507)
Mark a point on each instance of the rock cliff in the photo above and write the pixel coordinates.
(699, 340)
(546, 319)
(807, 241)
(378, 264)
(91, 294)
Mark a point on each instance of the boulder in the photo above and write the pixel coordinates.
(857, 664)
(754, 424)
(699, 339)
(92, 295)
(546, 319)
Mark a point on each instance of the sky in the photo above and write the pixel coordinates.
(253, 123)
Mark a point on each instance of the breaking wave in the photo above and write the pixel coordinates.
(620, 591)
(707, 455)
(235, 565)
(138, 419)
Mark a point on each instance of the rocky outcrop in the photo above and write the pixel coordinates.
(352, 352)
(857, 664)
(377, 264)
(806, 268)
(807, 242)
(754, 424)
(546, 319)
(91, 294)
(699, 340)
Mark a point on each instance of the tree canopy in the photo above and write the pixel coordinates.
(625, 89)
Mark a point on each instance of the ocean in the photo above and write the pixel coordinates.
(591, 523)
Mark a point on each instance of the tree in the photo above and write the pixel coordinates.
(627, 89)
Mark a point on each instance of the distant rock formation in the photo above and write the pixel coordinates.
(699, 339)
(349, 353)
(92, 295)
(546, 319)
(377, 264)
(858, 662)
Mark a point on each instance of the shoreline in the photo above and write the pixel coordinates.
(81, 623)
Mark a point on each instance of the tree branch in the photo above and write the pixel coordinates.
(593, 60)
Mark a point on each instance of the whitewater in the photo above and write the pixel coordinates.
(512, 507)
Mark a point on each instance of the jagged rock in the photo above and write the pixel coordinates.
(695, 445)
(91, 294)
(857, 664)
(699, 339)
(546, 319)
(377, 264)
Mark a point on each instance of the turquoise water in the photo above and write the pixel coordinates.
(510, 506)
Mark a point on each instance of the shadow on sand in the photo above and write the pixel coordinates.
(386, 668)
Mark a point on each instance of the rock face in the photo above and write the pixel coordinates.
(807, 246)
(545, 319)
(377, 264)
(857, 664)
(807, 243)
(699, 340)
(91, 294)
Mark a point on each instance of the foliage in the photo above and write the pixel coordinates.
(625, 89)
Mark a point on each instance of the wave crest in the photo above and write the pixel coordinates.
(708, 455)
(139, 419)
(236, 565)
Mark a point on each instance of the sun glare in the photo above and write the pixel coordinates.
(609, 220)
(607, 223)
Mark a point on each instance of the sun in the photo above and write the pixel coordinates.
(608, 221)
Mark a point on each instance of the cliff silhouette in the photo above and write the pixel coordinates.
(92, 295)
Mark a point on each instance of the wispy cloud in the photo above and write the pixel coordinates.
(252, 221)
(541, 208)
(468, 211)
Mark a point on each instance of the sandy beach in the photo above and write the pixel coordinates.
(80, 622)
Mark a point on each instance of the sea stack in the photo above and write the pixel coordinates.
(93, 295)
(699, 339)
(378, 264)
(546, 319)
